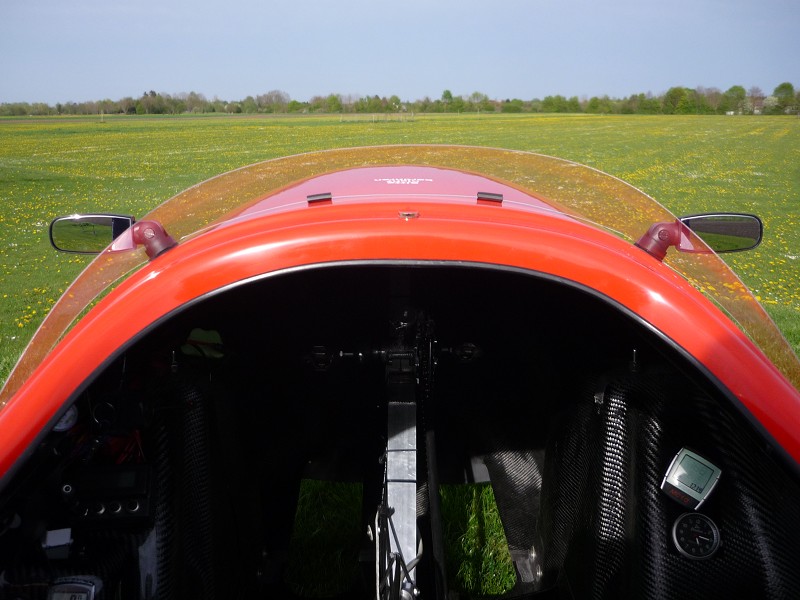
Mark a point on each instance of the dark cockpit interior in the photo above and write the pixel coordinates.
(401, 431)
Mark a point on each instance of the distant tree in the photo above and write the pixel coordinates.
(395, 104)
(108, 107)
(333, 103)
(249, 105)
(14, 109)
(365, 104)
(176, 104)
(700, 101)
(574, 105)
(422, 105)
(196, 103)
(512, 106)
(316, 104)
(713, 97)
(770, 106)
(39, 109)
(734, 100)
(275, 101)
(152, 104)
(632, 105)
(755, 100)
(375, 104)
(639, 104)
(555, 104)
(784, 95)
(127, 105)
(602, 105)
(649, 105)
(673, 99)
(687, 105)
(677, 100)
(481, 102)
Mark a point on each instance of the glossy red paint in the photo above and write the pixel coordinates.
(383, 231)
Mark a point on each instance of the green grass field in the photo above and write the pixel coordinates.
(55, 166)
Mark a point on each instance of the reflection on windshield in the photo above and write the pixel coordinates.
(578, 191)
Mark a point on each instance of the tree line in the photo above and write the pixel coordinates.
(677, 100)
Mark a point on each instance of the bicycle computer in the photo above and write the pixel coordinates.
(690, 479)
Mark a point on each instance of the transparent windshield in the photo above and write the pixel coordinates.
(576, 190)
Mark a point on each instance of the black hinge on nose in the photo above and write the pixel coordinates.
(490, 199)
(320, 199)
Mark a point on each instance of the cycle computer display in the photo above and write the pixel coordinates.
(75, 588)
(690, 479)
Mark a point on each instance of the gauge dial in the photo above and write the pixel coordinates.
(695, 535)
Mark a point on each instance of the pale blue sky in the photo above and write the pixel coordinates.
(75, 50)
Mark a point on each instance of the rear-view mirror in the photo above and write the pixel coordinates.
(724, 232)
(87, 234)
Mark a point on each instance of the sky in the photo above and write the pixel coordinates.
(79, 50)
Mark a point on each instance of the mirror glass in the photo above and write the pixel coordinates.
(87, 234)
(724, 232)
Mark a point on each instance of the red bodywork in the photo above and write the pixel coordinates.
(397, 214)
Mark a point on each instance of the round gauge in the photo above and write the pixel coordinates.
(695, 535)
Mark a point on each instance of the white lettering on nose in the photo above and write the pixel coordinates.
(404, 180)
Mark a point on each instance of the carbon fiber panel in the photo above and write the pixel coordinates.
(606, 525)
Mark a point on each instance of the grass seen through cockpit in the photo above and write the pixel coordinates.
(328, 513)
